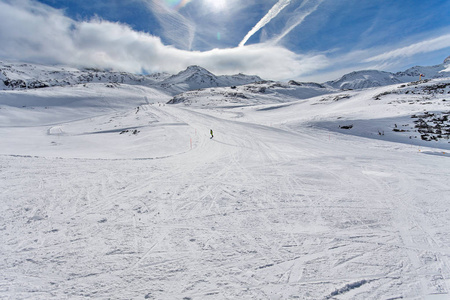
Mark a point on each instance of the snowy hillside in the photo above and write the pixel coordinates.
(263, 92)
(413, 114)
(51, 105)
(430, 72)
(364, 79)
(304, 192)
(23, 76)
(372, 78)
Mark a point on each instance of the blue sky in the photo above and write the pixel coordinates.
(314, 40)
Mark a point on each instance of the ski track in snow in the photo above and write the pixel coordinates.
(257, 212)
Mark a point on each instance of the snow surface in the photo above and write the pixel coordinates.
(264, 92)
(108, 193)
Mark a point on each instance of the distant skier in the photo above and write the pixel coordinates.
(212, 135)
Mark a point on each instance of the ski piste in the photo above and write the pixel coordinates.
(101, 200)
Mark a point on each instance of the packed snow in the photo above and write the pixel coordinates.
(108, 192)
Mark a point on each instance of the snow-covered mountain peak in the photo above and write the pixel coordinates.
(195, 68)
(196, 77)
(447, 60)
(192, 73)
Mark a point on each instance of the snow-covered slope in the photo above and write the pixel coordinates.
(372, 78)
(430, 72)
(108, 194)
(29, 76)
(414, 114)
(263, 92)
(38, 107)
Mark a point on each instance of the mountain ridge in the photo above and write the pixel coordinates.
(196, 77)
(374, 78)
(31, 76)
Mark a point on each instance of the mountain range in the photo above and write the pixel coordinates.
(26, 76)
(30, 76)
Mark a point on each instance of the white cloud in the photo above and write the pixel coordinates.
(268, 61)
(36, 33)
(33, 31)
(430, 45)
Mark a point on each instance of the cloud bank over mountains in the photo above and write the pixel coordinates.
(37, 33)
(34, 32)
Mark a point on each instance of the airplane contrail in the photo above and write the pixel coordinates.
(273, 12)
(176, 28)
(298, 19)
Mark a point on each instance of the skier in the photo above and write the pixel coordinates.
(212, 135)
